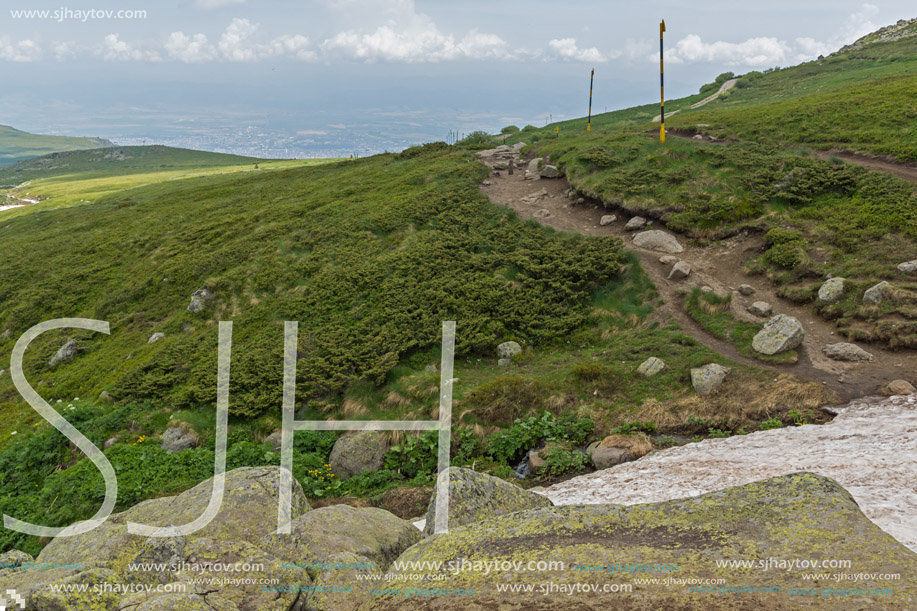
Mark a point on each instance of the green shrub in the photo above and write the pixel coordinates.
(788, 255)
(510, 129)
(560, 460)
(718, 433)
(771, 423)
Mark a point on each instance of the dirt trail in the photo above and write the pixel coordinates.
(723, 89)
(719, 266)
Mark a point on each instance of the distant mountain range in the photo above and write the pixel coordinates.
(16, 145)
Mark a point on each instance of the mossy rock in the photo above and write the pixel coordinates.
(326, 531)
(798, 516)
(476, 496)
(332, 583)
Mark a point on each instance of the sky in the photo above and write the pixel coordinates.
(384, 71)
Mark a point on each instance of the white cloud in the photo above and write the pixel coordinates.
(19, 51)
(189, 49)
(567, 49)
(115, 49)
(752, 52)
(859, 24)
(236, 43)
(409, 36)
(63, 50)
(212, 4)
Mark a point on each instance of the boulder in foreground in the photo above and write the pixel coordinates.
(779, 334)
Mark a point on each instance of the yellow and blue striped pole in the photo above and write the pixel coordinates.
(589, 120)
(661, 87)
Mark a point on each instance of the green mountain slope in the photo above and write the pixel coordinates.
(17, 145)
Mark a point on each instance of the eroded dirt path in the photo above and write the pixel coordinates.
(719, 266)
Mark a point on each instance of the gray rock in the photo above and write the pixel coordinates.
(508, 350)
(843, 351)
(780, 333)
(274, 440)
(319, 534)
(199, 300)
(338, 588)
(668, 259)
(635, 223)
(542, 213)
(605, 458)
(760, 308)
(651, 367)
(13, 559)
(550, 171)
(504, 362)
(794, 514)
(358, 452)
(104, 396)
(680, 271)
(658, 240)
(155, 337)
(69, 350)
(908, 267)
(831, 290)
(476, 496)
(746, 289)
(608, 219)
(876, 294)
(178, 437)
(707, 378)
(519, 146)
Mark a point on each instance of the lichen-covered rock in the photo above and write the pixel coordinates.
(199, 300)
(651, 367)
(508, 350)
(875, 294)
(337, 587)
(550, 171)
(358, 452)
(274, 440)
(831, 290)
(793, 516)
(658, 240)
(14, 559)
(843, 351)
(707, 378)
(476, 496)
(248, 513)
(321, 533)
(66, 352)
(779, 334)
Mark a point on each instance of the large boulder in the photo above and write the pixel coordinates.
(783, 517)
(843, 351)
(908, 267)
(876, 294)
(180, 436)
(779, 334)
(321, 533)
(831, 291)
(651, 367)
(358, 452)
(658, 240)
(66, 352)
(708, 378)
(248, 513)
(476, 496)
(337, 587)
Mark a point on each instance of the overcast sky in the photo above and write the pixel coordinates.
(531, 53)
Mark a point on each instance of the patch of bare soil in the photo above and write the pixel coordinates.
(720, 266)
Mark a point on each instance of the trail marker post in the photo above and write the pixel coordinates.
(661, 87)
(589, 119)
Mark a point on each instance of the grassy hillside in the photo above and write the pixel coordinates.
(17, 145)
(79, 177)
(754, 170)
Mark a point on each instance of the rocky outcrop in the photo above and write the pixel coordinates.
(66, 352)
(708, 378)
(476, 496)
(843, 351)
(358, 452)
(779, 334)
(784, 517)
(658, 240)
